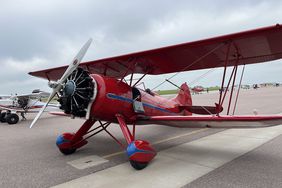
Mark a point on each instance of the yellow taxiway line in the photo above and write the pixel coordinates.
(160, 141)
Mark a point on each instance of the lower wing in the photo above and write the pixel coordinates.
(12, 109)
(214, 121)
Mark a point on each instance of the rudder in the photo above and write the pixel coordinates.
(184, 96)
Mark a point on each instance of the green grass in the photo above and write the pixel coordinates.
(168, 92)
(175, 91)
(214, 88)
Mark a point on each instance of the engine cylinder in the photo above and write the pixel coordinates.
(77, 93)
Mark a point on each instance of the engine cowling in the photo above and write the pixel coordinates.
(77, 93)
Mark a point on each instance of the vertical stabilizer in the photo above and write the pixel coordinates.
(183, 97)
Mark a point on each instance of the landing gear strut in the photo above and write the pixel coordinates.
(23, 117)
(69, 142)
(139, 152)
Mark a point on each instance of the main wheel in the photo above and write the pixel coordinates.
(12, 118)
(67, 151)
(64, 143)
(140, 150)
(138, 165)
(3, 117)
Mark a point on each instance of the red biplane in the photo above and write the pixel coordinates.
(98, 91)
(197, 89)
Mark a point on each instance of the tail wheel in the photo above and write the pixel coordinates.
(12, 118)
(3, 117)
(138, 165)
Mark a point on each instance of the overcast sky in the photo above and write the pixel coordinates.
(42, 34)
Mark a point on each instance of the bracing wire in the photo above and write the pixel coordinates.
(194, 62)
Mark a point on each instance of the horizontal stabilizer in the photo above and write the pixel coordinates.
(203, 110)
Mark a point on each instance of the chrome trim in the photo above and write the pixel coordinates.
(95, 88)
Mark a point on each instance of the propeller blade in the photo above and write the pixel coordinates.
(73, 66)
(43, 108)
(76, 61)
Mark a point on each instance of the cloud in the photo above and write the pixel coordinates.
(23, 66)
(42, 34)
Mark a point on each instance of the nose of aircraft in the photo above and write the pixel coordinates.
(69, 88)
(57, 86)
(77, 93)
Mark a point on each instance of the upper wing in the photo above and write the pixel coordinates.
(215, 121)
(248, 47)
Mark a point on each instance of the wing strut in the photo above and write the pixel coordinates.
(139, 79)
(194, 62)
(232, 87)
(232, 78)
(239, 87)
(173, 84)
(224, 72)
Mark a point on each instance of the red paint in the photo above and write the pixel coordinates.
(197, 89)
(217, 118)
(82, 131)
(264, 43)
(147, 154)
(106, 108)
(114, 98)
(127, 135)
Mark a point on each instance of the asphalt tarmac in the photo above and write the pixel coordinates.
(30, 158)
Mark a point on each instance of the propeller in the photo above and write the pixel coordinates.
(57, 86)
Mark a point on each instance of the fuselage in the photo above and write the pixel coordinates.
(116, 97)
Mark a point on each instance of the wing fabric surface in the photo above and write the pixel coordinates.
(32, 95)
(215, 121)
(254, 46)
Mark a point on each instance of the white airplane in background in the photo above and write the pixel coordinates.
(11, 106)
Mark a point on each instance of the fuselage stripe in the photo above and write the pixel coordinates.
(117, 97)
